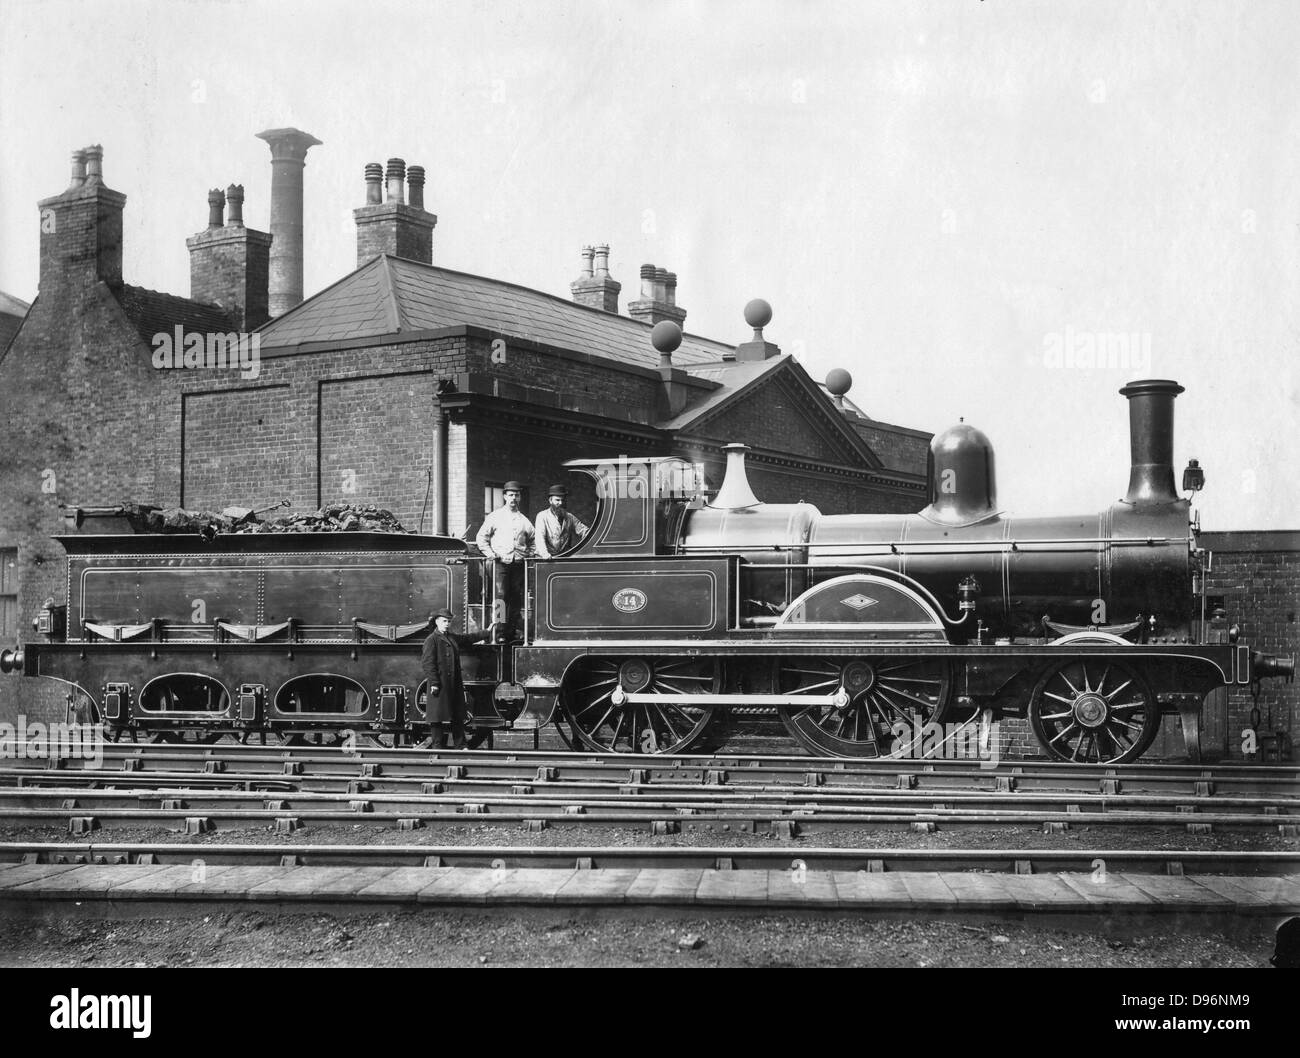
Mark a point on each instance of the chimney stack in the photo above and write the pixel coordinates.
(657, 303)
(393, 225)
(1151, 441)
(289, 149)
(595, 288)
(230, 264)
(81, 229)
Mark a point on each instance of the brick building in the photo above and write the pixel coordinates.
(412, 386)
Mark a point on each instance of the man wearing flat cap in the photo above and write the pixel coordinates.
(506, 536)
(445, 704)
(557, 529)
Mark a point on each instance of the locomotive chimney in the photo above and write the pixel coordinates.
(1151, 441)
(735, 492)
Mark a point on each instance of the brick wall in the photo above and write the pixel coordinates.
(897, 451)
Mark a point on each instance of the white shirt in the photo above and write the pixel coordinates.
(505, 534)
(557, 532)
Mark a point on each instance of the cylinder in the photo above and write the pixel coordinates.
(397, 181)
(415, 182)
(374, 184)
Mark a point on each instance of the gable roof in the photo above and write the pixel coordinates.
(152, 312)
(390, 295)
(740, 379)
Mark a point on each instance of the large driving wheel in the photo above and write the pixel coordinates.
(1094, 712)
(873, 695)
(601, 717)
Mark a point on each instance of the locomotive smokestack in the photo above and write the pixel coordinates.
(1151, 440)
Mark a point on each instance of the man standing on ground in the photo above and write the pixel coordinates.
(445, 704)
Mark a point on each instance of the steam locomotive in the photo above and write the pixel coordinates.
(676, 614)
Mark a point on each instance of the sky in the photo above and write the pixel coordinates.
(1001, 211)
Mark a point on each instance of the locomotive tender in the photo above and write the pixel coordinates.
(676, 612)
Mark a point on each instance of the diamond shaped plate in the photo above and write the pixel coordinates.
(858, 601)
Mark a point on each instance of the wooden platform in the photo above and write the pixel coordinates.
(828, 890)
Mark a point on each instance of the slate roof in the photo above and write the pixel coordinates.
(389, 295)
(151, 312)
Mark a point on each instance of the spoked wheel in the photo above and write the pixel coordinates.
(872, 695)
(601, 718)
(1094, 712)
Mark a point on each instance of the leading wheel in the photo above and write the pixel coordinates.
(602, 718)
(1094, 712)
(871, 695)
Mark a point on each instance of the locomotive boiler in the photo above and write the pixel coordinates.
(682, 610)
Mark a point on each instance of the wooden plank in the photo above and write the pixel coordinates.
(402, 884)
(864, 889)
(529, 885)
(929, 890)
(163, 883)
(801, 889)
(1179, 892)
(1114, 891)
(231, 883)
(667, 886)
(732, 887)
(977, 891)
(1043, 892)
(88, 881)
(461, 885)
(22, 873)
(603, 886)
(1281, 893)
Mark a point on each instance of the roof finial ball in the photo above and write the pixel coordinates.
(666, 336)
(758, 314)
(839, 382)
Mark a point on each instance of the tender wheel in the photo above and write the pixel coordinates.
(1094, 712)
(601, 718)
(874, 694)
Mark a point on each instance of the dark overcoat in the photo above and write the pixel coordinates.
(440, 660)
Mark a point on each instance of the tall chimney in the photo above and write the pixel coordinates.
(656, 303)
(230, 264)
(81, 229)
(1151, 441)
(392, 225)
(594, 287)
(289, 149)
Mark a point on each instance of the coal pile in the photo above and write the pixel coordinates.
(335, 518)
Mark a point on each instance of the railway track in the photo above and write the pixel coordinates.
(659, 857)
(307, 763)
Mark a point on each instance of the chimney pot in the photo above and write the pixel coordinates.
(661, 283)
(601, 253)
(78, 168)
(396, 180)
(94, 164)
(587, 254)
(216, 206)
(648, 282)
(415, 180)
(235, 200)
(374, 184)
(670, 288)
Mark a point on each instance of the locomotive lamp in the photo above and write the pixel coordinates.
(1193, 476)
